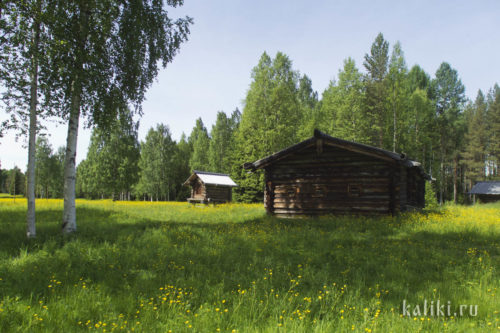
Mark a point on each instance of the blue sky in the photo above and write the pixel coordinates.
(212, 70)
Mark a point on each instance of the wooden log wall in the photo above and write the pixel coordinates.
(486, 198)
(218, 193)
(198, 190)
(318, 181)
(403, 188)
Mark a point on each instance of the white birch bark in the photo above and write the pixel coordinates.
(30, 216)
(69, 213)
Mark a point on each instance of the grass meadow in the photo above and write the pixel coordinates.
(171, 267)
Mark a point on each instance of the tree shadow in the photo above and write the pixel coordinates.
(367, 254)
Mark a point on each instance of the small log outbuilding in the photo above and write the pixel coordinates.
(326, 175)
(486, 191)
(210, 187)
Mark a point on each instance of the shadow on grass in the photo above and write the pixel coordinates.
(138, 257)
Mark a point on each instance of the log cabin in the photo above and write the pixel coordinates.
(326, 175)
(486, 191)
(210, 187)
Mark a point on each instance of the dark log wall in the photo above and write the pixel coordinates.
(403, 188)
(198, 190)
(485, 198)
(327, 179)
(415, 189)
(218, 193)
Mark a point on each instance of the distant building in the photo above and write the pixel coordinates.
(486, 191)
(210, 187)
(326, 175)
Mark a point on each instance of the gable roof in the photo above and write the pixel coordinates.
(211, 178)
(344, 144)
(486, 188)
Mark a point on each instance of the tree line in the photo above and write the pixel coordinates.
(384, 104)
(388, 105)
(118, 166)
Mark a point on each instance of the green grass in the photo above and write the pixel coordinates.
(7, 195)
(155, 267)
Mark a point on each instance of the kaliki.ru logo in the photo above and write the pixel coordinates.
(438, 309)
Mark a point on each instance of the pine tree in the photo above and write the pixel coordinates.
(376, 64)
(448, 91)
(476, 140)
(493, 132)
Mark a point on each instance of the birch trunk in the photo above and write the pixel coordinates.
(455, 179)
(394, 122)
(441, 184)
(69, 213)
(30, 216)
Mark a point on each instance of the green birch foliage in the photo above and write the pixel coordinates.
(326, 119)
(27, 51)
(308, 99)
(47, 170)
(107, 52)
(15, 182)
(420, 140)
(419, 136)
(270, 121)
(181, 168)
(200, 143)
(112, 159)
(419, 79)
(157, 164)
(397, 100)
(344, 103)
(220, 144)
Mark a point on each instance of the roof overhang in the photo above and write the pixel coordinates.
(488, 188)
(321, 138)
(210, 178)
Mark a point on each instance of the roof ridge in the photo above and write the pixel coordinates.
(488, 181)
(210, 173)
(364, 148)
(400, 156)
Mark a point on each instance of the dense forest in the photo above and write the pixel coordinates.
(383, 103)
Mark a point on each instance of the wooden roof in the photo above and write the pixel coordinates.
(486, 188)
(211, 178)
(336, 142)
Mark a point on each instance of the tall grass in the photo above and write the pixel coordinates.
(160, 267)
